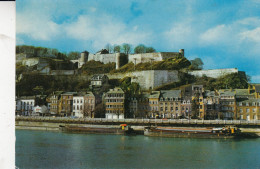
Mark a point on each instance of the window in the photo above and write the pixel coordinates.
(176, 108)
(161, 108)
(241, 110)
(240, 103)
(241, 117)
(254, 110)
(247, 110)
(247, 104)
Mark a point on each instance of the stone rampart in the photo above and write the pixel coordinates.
(214, 73)
(149, 78)
(148, 57)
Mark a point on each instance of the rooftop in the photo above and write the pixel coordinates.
(171, 93)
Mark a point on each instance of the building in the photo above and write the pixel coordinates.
(84, 105)
(227, 104)
(139, 107)
(78, 105)
(66, 103)
(98, 81)
(153, 98)
(114, 103)
(90, 105)
(25, 105)
(54, 102)
(170, 104)
(105, 57)
(248, 109)
(211, 105)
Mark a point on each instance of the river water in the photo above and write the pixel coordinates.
(45, 149)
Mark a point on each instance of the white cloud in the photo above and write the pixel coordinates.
(216, 35)
(253, 35)
(103, 30)
(179, 35)
(37, 26)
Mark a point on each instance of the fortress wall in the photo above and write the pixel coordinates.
(214, 73)
(30, 61)
(163, 77)
(149, 78)
(144, 57)
(167, 55)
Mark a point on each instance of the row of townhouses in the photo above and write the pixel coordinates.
(219, 104)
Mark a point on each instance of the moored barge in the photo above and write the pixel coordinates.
(122, 129)
(223, 132)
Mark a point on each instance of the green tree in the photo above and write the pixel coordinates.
(140, 49)
(117, 49)
(73, 55)
(196, 64)
(150, 50)
(127, 48)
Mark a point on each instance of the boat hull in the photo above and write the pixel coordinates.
(97, 130)
(186, 133)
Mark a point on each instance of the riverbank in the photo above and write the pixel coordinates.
(52, 126)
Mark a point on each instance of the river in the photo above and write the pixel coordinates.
(57, 150)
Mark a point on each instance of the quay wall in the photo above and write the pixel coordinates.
(50, 123)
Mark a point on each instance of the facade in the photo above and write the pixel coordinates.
(25, 105)
(114, 103)
(139, 107)
(248, 109)
(211, 105)
(170, 104)
(78, 105)
(54, 102)
(153, 98)
(98, 80)
(90, 105)
(66, 103)
(227, 104)
(84, 105)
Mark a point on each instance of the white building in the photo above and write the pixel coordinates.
(25, 105)
(78, 106)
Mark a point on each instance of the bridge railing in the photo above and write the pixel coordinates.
(138, 121)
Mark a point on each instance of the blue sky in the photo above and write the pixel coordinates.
(223, 33)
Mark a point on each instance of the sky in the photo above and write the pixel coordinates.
(224, 34)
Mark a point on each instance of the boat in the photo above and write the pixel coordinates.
(123, 129)
(181, 132)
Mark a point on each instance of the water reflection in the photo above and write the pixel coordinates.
(41, 149)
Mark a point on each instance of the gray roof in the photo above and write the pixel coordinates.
(171, 93)
(116, 90)
(251, 101)
(154, 94)
(226, 93)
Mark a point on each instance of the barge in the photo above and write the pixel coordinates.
(123, 129)
(179, 132)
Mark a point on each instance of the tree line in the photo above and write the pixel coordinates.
(128, 48)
